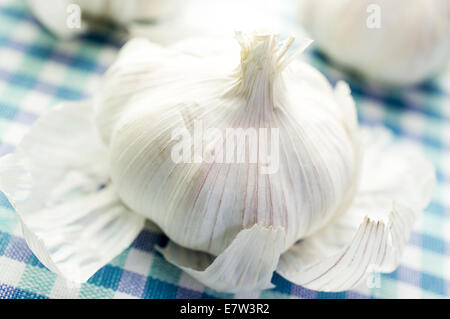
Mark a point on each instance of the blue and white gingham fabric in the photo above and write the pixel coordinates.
(37, 71)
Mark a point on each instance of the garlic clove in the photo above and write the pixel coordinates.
(246, 264)
(125, 79)
(396, 185)
(58, 183)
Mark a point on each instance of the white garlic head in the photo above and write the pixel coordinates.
(398, 42)
(236, 153)
(58, 16)
(152, 92)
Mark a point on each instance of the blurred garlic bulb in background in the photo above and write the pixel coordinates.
(216, 18)
(55, 15)
(337, 204)
(399, 42)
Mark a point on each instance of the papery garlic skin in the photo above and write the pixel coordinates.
(411, 44)
(55, 14)
(204, 206)
(68, 211)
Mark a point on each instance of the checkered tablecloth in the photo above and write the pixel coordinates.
(37, 71)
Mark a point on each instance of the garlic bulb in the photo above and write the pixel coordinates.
(56, 15)
(382, 40)
(293, 194)
(251, 97)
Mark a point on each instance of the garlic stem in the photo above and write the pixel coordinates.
(262, 61)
